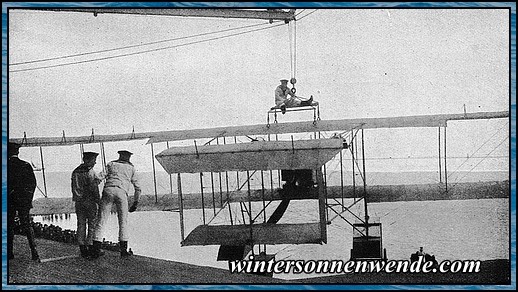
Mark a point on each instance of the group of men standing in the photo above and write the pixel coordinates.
(92, 209)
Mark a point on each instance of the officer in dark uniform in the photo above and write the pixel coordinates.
(21, 184)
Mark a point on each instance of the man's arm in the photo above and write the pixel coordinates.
(31, 178)
(279, 96)
(30, 182)
(136, 184)
(291, 93)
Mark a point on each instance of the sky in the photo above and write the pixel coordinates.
(357, 63)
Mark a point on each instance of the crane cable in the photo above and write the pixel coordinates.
(294, 49)
(290, 36)
(292, 31)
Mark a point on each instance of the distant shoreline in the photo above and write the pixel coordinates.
(376, 194)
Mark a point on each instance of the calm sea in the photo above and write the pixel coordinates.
(58, 183)
(451, 230)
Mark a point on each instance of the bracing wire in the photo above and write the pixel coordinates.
(308, 14)
(145, 51)
(300, 12)
(135, 46)
(472, 155)
(458, 180)
(453, 186)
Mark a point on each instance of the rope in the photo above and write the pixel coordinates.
(142, 52)
(133, 46)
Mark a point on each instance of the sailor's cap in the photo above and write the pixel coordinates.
(90, 155)
(13, 147)
(124, 152)
(284, 80)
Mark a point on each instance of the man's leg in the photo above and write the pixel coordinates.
(81, 229)
(307, 102)
(91, 212)
(91, 218)
(11, 213)
(282, 106)
(24, 216)
(101, 220)
(121, 203)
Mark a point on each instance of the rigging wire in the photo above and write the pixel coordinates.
(308, 14)
(458, 180)
(146, 51)
(496, 132)
(134, 46)
(452, 187)
(300, 12)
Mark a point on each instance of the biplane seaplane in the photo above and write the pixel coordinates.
(299, 162)
(302, 167)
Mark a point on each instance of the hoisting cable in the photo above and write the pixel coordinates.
(294, 50)
(292, 27)
(290, 36)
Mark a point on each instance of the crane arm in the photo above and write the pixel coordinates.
(268, 14)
